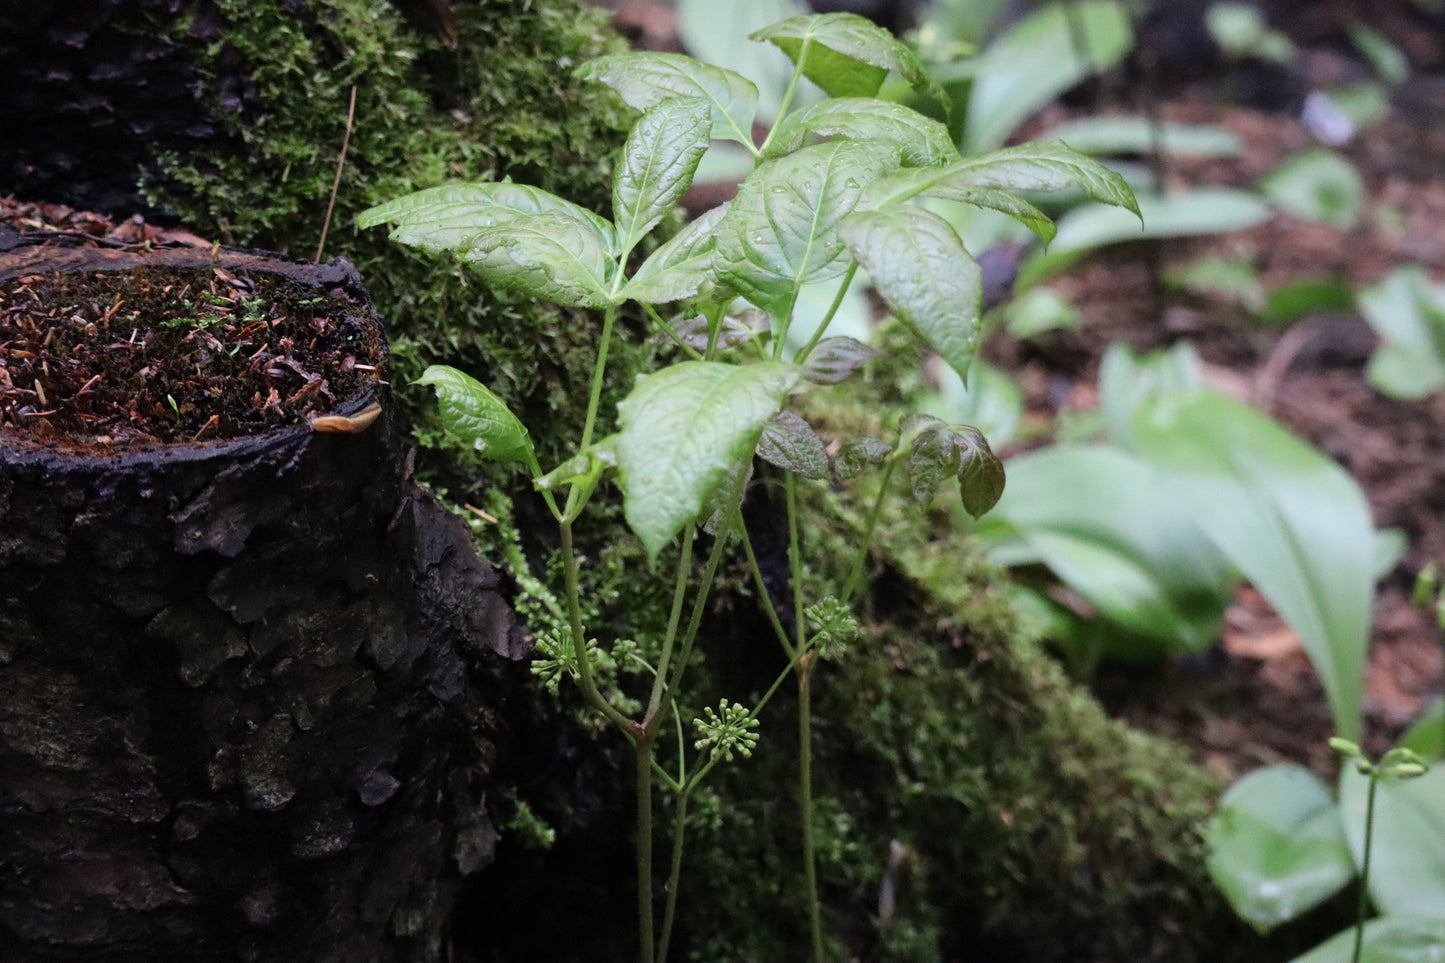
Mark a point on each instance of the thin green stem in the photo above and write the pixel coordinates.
(769, 609)
(594, 400)
(855, 577)
(828, 318)
(805, 803)
(1363, 906)
(671, 333)
(679, 596)
(646, 948)
(795, 561)
(788, 94)
(674, 874)
(579, 638)
(804, 665)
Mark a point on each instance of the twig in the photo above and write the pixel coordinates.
(340, 163)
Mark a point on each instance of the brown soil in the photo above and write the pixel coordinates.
(108, 359)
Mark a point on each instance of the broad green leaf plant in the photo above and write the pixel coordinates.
(834, 192)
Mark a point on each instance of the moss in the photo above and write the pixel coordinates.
(502, 104)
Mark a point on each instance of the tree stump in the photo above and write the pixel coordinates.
(249, 685)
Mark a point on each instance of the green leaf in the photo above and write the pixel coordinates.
(1388, 60)
(859, 454)
(1241, 31)
(1318, 186)
(779, 233)
(848, 55)
(1407, 855)
(1104, 523)
(1276, 846)
(679, 267)
(448, 218)
(941, 450)
(1139, 135)
(791, 443)
(1393, 939)
(1289, 518)
(657, 165)
(923, 142)
(987, 180)
(717, 33)
(551, 256)
(1407, 312)
(920, 267)
(1039, 58)
(683, 428)
(1204, 210)
(992, 401)
(646, 79)
(834, 360)
(472, 413)
(1127, 381)
(1426, 734)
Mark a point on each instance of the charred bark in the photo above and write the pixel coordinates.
(249, 688)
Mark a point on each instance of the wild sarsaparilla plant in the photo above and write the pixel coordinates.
(837, 188)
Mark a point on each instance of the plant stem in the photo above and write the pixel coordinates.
(674, 874)
(856, 576)
(594, 401)
(646, 949)
(805, 662)
(807, 349)
(1363, 904)
(679, 595)
(579, 637)
(805, 802)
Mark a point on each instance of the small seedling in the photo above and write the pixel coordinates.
(834, 192)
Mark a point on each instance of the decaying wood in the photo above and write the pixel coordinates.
(248, 696)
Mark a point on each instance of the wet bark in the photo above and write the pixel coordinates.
(249, 694)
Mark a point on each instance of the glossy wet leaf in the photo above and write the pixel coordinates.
(1407, 858)
(645, 79)
(448, 218)
(552, 256)
(470, 411)
(657, 164)
(780, 231)
(990, 180)
(1392, 939)
(790, 442)
(848, 55)
(682, 430)
(1107, 527)
(1037, 59)
(922, 141)
(920, 267)
(940, 450)
(1276, 846)
(718, 33)
(681, 266)
(1290, 519)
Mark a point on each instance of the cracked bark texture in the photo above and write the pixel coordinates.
(249, 697)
